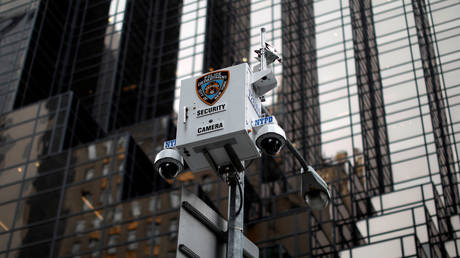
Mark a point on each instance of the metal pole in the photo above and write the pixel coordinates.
(235, 222)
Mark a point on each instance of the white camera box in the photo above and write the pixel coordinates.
(216, 109)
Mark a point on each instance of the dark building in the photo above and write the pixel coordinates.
(300, 79)
(437, 106)
(368, 93)
(16, 28)
(103, 52)
(227, 33)
(372, 111)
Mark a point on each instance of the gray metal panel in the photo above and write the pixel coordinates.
(195, 235)
(202, 232)
(250, 250)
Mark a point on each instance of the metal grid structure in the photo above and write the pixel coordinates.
(369, 93)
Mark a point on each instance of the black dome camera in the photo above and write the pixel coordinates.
(270, 139)
(169, 163)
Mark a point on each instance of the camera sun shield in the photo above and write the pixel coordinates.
(314, 190)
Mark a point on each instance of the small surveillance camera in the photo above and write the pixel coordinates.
(169, 163)
(314, 189)
(270, 138)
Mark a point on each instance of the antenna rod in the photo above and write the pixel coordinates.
(262, 49)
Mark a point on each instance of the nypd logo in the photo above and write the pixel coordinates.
(211, 86)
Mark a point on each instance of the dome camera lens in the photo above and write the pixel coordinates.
(168, 170)
(316, 199)
(271, 145)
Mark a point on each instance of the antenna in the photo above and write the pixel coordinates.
(262, 49)
(267, 54)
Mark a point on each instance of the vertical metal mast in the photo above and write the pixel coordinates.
(236, 213)
(235, 221)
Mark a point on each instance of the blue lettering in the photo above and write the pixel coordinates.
(263, 121)
(170, 144)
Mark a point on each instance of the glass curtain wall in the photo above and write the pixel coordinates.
(368, 92)
(16, 24)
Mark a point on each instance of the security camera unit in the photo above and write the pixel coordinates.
(222, 123)
(219, 109)
(218, 114)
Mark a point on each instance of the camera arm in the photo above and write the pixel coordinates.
(314, 189)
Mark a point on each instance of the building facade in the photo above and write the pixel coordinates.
(369, 92)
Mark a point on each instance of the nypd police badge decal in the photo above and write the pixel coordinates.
(211, 86)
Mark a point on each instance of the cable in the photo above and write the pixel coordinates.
(249, 163)
(241, 195)
(296, 153)
(235, 180)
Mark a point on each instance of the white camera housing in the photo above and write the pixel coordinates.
(270, 138)
(217, 109)
(169, 163)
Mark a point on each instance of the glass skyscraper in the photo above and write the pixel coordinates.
(368, 92)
